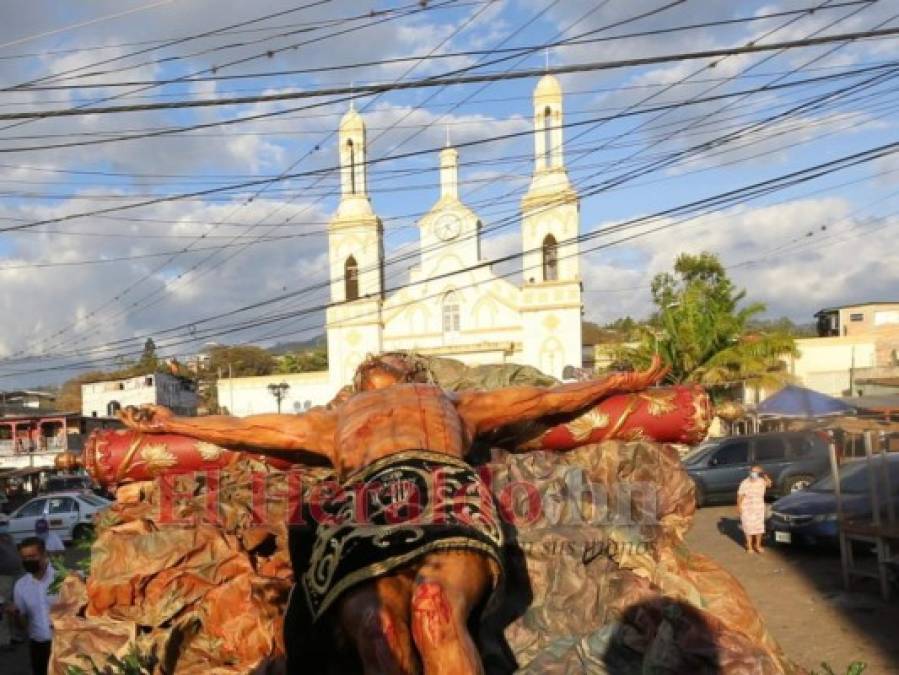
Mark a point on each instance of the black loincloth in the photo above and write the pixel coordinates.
(390, 514)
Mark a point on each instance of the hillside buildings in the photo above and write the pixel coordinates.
(856, 353)
(105, 399)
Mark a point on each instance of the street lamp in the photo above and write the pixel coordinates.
(279, 391)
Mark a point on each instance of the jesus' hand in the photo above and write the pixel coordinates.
(146, 418)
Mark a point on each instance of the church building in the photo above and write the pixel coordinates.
(453, 305)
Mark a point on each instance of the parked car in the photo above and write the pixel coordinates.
(65, 482)
(810, 516)
(70, 515)
(793, 459)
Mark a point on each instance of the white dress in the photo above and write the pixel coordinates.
(752, 512)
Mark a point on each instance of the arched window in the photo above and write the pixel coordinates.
(550, 259)
(547, 136)
(351, 278)
(352, 153)
(112, 408)
(451, 313)
(478, 240)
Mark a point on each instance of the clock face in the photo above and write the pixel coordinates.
(447, 228)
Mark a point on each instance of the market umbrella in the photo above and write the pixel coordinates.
(793, 401)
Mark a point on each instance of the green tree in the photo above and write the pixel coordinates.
(148, 360)
(785, 325)
(243, 360)
(304, 362)
(703, 333)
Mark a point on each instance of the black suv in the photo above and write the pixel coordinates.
(793, 460)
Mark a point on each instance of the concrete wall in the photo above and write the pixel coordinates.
(868, 319)
(244, 396)
(826, 364)
(158, 388)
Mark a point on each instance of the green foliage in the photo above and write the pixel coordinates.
(786, 326)
(626, 329)
(133, 663)
(82, 567)
(237, 361)
(59, 567)
(854, 668)
(148, 361)
(243, 360)
(702, 332)
(303, 362)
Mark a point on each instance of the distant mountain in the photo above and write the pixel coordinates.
(289, 347)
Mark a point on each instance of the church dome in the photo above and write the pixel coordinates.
(548, 88)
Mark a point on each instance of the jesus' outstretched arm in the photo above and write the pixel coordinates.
(484, 411)
(311, 432)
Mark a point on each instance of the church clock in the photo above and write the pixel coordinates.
(447, 228)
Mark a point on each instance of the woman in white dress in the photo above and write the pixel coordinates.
(751, 505)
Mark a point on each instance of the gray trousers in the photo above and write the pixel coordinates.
(6, 631)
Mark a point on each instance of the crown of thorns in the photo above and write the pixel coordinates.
(406, 367)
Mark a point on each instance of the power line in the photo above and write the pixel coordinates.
(752, 191)
(888, 69)
(267, 181)
(263, 188)
(82, 24)
(464, 79)
(445, 55)
(159, 41)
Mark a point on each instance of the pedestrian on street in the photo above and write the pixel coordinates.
(52, 543)
(32, 600)
(751, 505)
(10, 570)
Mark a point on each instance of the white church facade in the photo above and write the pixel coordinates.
(453, 304)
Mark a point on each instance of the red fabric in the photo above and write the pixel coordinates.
(120, 456)
(678, 414)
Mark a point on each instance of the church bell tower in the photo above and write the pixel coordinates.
(552, 302)
(356, 257)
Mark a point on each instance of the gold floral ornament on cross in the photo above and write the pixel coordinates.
(658, 404)
(157, 458)
(210, 452)
(583, 426)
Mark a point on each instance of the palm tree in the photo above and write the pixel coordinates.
(704, 336)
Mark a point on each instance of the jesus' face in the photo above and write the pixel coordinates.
(379, 378)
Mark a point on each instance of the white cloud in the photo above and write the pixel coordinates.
(779, 254)
(44, 300)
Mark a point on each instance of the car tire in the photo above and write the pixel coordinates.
(82, 532)
(699, 495)
(796, 483)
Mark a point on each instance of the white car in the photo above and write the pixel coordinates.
(70, 515)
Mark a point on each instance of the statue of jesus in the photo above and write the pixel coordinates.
(401, 582)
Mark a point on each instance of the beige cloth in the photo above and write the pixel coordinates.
(752, 510)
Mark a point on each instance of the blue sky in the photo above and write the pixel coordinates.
(825, 242)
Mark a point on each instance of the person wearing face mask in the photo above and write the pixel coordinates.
(32, 600)
(751, 505)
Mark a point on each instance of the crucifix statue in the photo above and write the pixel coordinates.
(411, 542)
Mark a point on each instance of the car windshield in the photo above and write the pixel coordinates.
(854, 477)
(93, 500)
(700, 451)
